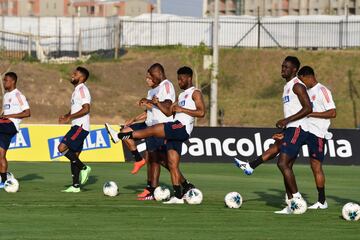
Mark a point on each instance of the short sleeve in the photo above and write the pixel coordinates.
(84, 95)
(167, 92)
(327, 98)
(24, 105)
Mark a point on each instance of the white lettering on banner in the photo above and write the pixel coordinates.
(344, 150)
(226, 148)
(240, 147)
(197, 149)
(19, 141)
(208, 147)
(56, 153)
(248, 147)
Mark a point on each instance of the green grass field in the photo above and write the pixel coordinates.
(40, 211)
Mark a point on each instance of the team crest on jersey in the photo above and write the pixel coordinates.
(186, 95)
(6, 106)
(286, 99)
(288, 91)
(313, 97)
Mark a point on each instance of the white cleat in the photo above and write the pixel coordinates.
(175, 200)
(245, 166)
(319, 205)
(286, 210)
(113, 134)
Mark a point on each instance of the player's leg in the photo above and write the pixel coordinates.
(270, 153)
(146, 191)
(319, 176)
(3, 166)
(131, 145)
(173, 164)
(155, 131)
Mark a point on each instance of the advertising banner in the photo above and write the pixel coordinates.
(40, 143)
(222, 144)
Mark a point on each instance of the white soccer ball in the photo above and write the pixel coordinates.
(161, 193)
(9, 175)
(351, 211)
(297, 205)
(110, 189)
(233, 200)
(11, 185)
(194, 196)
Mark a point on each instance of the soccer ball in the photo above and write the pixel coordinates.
(351, 211)
(11, 185)
(9, 175)
(233, 200)
(194, 196)
(161, 193)
(110, 189)
(297, 205)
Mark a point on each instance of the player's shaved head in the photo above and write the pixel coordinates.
(157, 67)
(185, 71)
(294, 61)
(157, 72)
(11, 75)
(84, 72)
(306, 71)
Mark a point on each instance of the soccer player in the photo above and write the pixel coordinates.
(15, 108)
(72, 143)
(318, 123)
(190, 105)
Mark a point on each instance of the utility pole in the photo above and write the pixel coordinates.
(215, 70)
(158, 6)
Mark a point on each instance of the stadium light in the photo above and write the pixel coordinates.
(214, 73)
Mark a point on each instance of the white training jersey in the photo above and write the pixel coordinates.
(14, 102)
(186, 101)
(321, 100)
(165, 91)
(151, 93)
(292, 104)
(80, 96)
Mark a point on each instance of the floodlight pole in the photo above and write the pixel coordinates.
(215, 63)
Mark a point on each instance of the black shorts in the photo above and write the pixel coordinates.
(175, 134)
(316, 146)
(138, 126)
(155, 144)
(7, 132)
(293, 140)
(74, 138)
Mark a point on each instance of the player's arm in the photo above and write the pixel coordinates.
(165, 106)
(82, 112)
(331, 113)
(306, 109)
(24, 114)
(199, 112)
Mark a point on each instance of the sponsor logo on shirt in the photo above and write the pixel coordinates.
(286, 99)
(182, 103)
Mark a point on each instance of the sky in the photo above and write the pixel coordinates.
(182, 7)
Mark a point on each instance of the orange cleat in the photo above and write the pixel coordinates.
(144, 193)
(138, 165)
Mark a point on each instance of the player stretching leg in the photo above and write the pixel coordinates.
(190, 105)
(15, 108)
(72, 143)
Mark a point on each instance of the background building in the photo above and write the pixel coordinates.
(59, 8)
(226, 7)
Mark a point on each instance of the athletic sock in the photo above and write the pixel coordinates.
(186, 184)
(74, 159)
(148, 185)
(297, 195)
(321, 194)
(151, 190)
(136, 156)
(256, 162)
(177, 191)
(3, 177)
(126, 135)
(75, 174)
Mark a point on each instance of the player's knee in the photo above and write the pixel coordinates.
(126, 129)
(282, 164)
(61, 148)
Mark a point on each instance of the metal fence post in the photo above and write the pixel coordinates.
(29, 44)
(259, 25)
(296, 34)
(80, 43)
(117, 40)
(341, 23)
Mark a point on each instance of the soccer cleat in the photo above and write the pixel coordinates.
(175, 200)
(71, 189)
(138, 165)
(286, 210)
(84, 174)
(149, 197)
(144, 193)
(245, 166)
(187, 188)
(319, 205)
(2, 185)
(113, 134)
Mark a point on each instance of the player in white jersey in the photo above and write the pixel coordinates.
(318, 124)
(72, 143)
(15, 108)
(190, 105)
